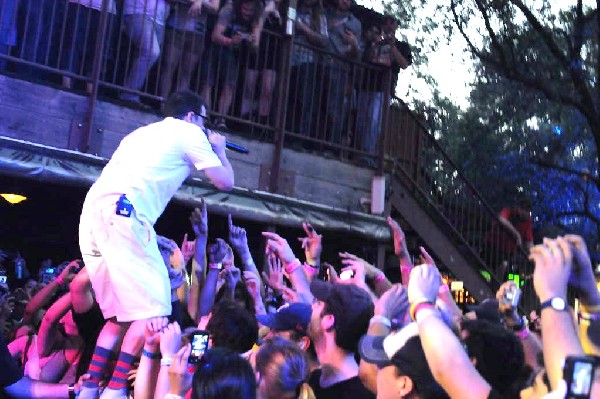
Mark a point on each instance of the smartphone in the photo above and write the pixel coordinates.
(578, 372)
(323, 272)
(511, 297)
(49, 270)
(199, 345)
(346, 275)
(3, 279)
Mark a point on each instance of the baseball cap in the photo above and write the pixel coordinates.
(487, 310)
(404, 350)
(291, 316)
(351, 307)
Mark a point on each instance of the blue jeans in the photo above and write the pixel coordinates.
(147, 37)
(368, 119)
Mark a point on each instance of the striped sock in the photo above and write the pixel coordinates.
(123, 366)
(98, 366)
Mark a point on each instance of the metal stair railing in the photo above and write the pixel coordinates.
(416, 158)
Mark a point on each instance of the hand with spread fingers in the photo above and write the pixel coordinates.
(553, 262)
(312, 245)
(274, 278)
(280, 246)
(393, 304)
(424, 284)
(582, 276)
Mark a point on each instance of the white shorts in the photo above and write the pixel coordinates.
(126, 269)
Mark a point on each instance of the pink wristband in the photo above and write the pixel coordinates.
(293, 265)
(380, 277)
(60, 280)
(444, 288)
(523, 333)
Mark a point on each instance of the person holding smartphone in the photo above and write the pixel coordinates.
(116, 234)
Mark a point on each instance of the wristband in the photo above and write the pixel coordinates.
(417, 305)
(380, 277)
(71, 390)
(166, 361)
(313, 266)
(217, 266)
(425, 313)
(173, 396)
(524, 333)
(381, 319)
(293, 265)
(60, 280)
(151, 355)
(406, 268)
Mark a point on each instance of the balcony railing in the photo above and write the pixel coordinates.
(285, 93)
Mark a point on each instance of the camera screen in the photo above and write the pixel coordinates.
(582, 378)
(199, 344)
(3, 279)
(50, 270)
(346, 275)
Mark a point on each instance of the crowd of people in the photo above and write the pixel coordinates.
(228, 51)
(294, 331)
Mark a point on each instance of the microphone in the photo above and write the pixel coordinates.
(236, 148)
(230, 146)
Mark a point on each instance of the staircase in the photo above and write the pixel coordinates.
(445, 210)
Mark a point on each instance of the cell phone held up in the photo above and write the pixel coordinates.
(511, 297)
(199, 341)
(578, 373)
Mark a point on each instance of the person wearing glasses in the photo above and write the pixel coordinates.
(116, 234)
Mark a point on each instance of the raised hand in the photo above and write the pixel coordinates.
(253, 283)
(393, 304)
(424, 283)
(231, 276)
(180, 377)
(311, 244)
(153, 329)
(400, 248)
(279, 245)
(199, 219)
(355, 265)
(195, 8)
(274, 278)
(170, 340)
(582, 276)
(237, 237)
(69, 272)
(217, 251)
(187, 248)
(553, 261)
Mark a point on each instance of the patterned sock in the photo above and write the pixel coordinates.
(98, 367)
(123, 366)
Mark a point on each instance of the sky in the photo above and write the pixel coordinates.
(450, 65)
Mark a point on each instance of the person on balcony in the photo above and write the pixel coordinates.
(399, 51)
(238, 27)
(184, 43)
(345, 33)
(263, 63)
(311, 29)
(81, 34)
(144, 24)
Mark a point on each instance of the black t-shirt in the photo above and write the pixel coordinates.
(11, 372)
(347, 389)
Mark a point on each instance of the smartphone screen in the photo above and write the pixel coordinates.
(199, 345)
(582, 378)
(346, 275)
(3, 279)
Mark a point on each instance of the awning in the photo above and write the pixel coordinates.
(43, 163)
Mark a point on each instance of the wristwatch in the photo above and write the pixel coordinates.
(556, 303)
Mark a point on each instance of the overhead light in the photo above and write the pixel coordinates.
(13, 198)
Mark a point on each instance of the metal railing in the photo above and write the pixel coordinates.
(418, 160)
(286, 92)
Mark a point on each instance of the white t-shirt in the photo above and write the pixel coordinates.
(151, 163)
(96, 5)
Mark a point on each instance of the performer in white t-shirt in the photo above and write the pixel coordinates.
(116, 233)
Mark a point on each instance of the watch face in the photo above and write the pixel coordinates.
(558, 303)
